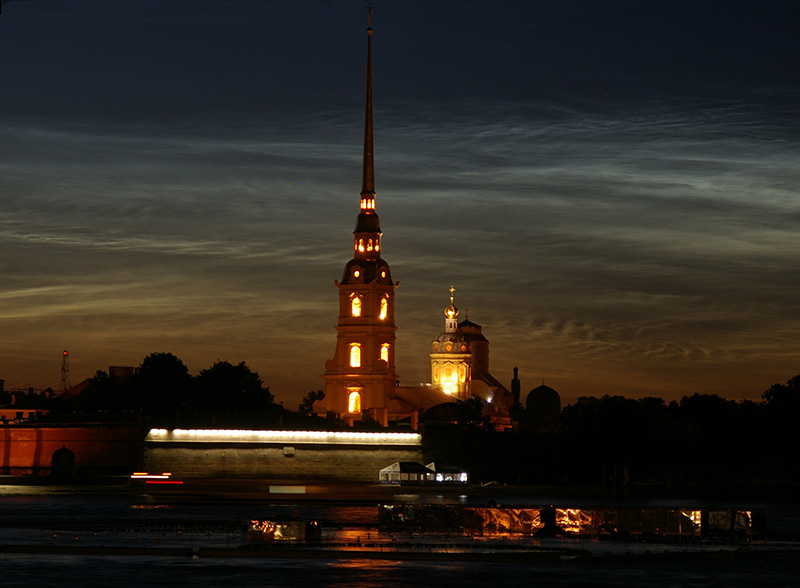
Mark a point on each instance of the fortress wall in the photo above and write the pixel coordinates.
(108, 448)
(352, 463)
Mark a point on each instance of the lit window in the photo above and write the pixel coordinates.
(448, 373)
(355, 355)
(355, 306)
(369, 245)
(462, 373)
(354, 402)
(436, 374)
(384, 308)
(356, 273)
(385, 352)
(377, 245)
(361, 245)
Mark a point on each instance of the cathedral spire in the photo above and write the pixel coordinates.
(368, 178)
(367, 234)
(360, 379)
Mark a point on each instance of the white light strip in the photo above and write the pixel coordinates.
(300, 437)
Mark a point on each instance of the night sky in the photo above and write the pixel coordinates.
(611, 186)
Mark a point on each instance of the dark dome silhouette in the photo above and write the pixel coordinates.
(543, 401)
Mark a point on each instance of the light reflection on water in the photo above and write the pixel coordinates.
(290, 573)
(33, 519)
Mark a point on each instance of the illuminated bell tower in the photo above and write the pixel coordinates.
(451, 357)
(361, 376)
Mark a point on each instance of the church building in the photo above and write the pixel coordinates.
(460, 362)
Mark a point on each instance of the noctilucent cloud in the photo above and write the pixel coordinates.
(611, 186)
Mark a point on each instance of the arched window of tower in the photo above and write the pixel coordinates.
(355, 355)
(354, 402)
(355, 305)
(384, 304)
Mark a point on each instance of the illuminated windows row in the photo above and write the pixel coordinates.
(362, 245)
(449, 373)
(356, 303)
(355, 354)
(450, 377)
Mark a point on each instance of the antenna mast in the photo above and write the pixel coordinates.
(64, 384)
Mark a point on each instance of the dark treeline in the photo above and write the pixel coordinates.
(612, 444)
(161, 389)
(616, 444)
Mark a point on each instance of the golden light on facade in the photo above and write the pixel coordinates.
(448, 383)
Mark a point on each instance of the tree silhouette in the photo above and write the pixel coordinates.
(162, 385)
(228, 387)
(306, 407)
(784, 396)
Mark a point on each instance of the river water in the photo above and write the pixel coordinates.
(123, 521)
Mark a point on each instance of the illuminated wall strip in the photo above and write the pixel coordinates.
(298, 437)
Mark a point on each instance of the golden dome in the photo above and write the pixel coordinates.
(451, 311)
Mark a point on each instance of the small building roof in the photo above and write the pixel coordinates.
(407, 467)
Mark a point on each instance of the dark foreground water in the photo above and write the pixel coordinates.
(117, 521)
(136, 571)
